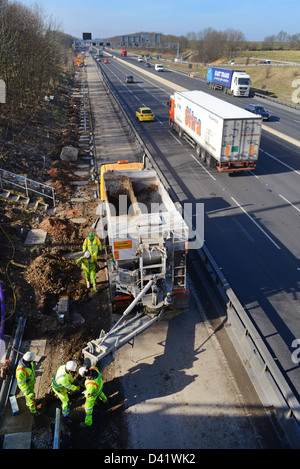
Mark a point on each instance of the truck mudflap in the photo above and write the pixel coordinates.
(236, 166)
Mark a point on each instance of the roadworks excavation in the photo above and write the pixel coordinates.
(38, 276)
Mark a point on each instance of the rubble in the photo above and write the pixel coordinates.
(34, 292)
(69, 153)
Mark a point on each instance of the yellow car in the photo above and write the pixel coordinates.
(144, 114)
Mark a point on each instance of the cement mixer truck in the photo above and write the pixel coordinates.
(147, 243)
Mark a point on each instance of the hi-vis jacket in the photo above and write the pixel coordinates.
(93, 386)
(25, 377)
(63, 379)
(93, 246)
(87, 264)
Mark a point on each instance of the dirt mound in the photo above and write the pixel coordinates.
(58, 228)
(60, 174)
(54, 275)
(72, 213)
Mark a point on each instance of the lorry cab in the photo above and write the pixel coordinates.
(241, 84)
(170, 106)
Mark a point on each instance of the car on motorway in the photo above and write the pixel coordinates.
(159, 67)
(144, 114)
(105, 61)
(129, 79)
(258, 110)
(140, 59)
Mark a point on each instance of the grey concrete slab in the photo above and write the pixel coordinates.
(17, 441)
(35, 236)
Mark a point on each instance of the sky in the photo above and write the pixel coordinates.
(255, 18)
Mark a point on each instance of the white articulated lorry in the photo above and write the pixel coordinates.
(224, 135)
(234, 82)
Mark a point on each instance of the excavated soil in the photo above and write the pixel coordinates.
(34, 278)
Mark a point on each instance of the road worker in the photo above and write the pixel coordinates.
(25, 375)
(88, 265)
(62, 384)
(92, 244)
(93, 389)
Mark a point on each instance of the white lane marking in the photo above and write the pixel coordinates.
(284, 164)
(177, 139)
(263, 231)
(289, 202)
(243, 229)
(197, 161)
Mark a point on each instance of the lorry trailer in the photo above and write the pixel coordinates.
(234, 82)
(224, 135)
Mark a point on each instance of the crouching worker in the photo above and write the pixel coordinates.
(62, 384)
(25, 375)
(93, 389)
(88, 265)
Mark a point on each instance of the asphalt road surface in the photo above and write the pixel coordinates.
(181, 390)
(251, 223)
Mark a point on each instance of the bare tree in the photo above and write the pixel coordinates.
(32, 53)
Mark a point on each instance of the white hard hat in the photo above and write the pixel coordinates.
(87, 254)
(71, 366)
(29, 356)
(83, 371)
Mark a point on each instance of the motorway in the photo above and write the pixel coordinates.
(251, 221)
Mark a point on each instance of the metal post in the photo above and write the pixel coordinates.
(26, 188)
(57, 430)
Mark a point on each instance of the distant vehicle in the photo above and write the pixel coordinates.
(129, 79)
(159, 68)
(124, 53)
(234, 82)
(259, 111)
(148, 64)
(140, 59)
(144, 114)
(105, 61)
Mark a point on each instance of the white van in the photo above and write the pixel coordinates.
(159, 68)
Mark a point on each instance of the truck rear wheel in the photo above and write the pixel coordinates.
(198, 150)
(210, 161)
(203, 154)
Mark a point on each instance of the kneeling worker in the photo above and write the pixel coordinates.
(93, 389)
(62, 384)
